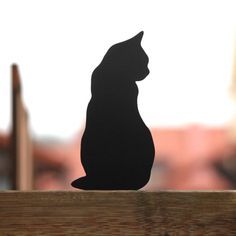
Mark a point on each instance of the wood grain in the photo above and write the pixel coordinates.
(117, 213)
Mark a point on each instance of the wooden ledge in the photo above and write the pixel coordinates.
(118, 213)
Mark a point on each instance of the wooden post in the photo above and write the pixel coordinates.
(136, 213)
(22, 170)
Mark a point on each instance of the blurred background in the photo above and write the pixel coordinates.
(187, 101)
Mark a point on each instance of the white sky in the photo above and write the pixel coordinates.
(58, 43)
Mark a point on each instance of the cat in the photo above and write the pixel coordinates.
(117, 150)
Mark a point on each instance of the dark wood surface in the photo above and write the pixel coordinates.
(118, 213)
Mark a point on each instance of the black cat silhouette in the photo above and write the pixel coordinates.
(117, 149)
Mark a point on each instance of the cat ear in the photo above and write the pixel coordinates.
(139, 36)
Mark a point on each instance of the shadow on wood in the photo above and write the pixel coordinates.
(117, 213)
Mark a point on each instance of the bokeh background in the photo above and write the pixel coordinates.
(187, 101)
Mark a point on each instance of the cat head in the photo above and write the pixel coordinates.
(126, 60)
